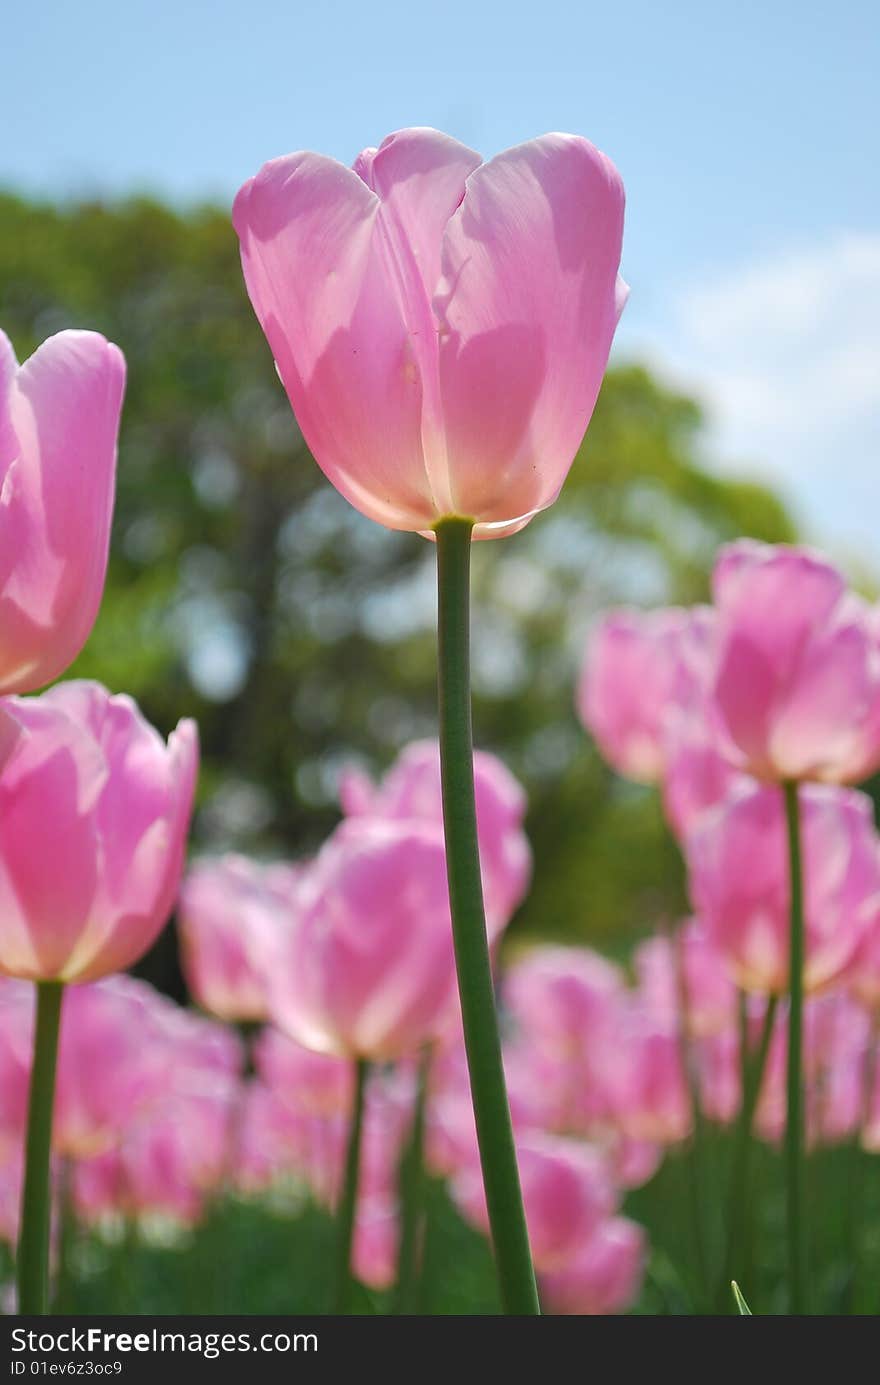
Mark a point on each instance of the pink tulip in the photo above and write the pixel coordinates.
(836, 1040)
(644, 671)
(687, 973)
(567, 1193)
(316, 1084)
(368, 968)
(697, 773)
(59, 419)
(863, 973)
(604, 1277)
(719, 1077)
(375, 1245)
(94, 809)
(565, 1007)
(269, 1144)
(646, 1074)
(441, 325)
(411, 791)
(797, 681)
(739, 877)
(111, 1064)
(230, 915)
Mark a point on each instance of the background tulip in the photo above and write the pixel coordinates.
(797, 680)
(93, 789)
(411, 790)
(368, 970)
(231, 911)
(441, 325)
(59, 419)
(643, 671)
(604, 1277)
(739, 877)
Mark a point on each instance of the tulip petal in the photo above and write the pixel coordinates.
(316, 275)
(58, 503)
(527, 308)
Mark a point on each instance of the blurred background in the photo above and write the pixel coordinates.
(741, 399)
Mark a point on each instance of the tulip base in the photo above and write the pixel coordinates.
(36, 1208)
(479, 1019)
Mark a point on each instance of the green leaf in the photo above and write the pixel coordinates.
(742, 1307)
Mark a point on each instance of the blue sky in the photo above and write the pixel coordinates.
(748, 137)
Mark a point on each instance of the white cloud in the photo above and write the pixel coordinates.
(785, 354)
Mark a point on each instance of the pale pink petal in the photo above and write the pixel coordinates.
(527, 308)
(316, 274)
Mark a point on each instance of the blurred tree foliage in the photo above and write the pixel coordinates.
(243, 591)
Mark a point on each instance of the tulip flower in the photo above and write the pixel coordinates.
(441, 326)
(690, 973)
(567, 1192)
(92, 789)
(797, 674)
(644, 671)
(120, 802)
(863, 973)
(59, 419)
(315, 1083)
(565, 1005)
(649, 1083)
(367, 970)
(739, 877)
(412, 790)
(606, 1274)
(796, 689)
(231, 912)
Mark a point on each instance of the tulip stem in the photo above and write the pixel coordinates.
(345, 1217)
(507, 1222)
(412, 1198)
(36, 1207)
(794, 1128)
(739, 1206)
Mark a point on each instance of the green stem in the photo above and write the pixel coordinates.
(794, 1129)
(739, 1206)
(412, 1199)
(348, 1201)
(696, 1143)
(36, 1208)
(507, 1221)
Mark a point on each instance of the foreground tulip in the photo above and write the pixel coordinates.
(230, 915)
(59, 419)
(441, 325)
(797, 676)
(412, 789)
(739, 875)
(93, 790)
